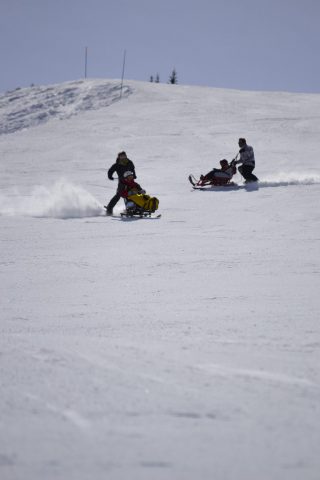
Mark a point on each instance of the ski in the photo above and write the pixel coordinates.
(128, 214)
(210, 186)
(218, 188)
(139, 215)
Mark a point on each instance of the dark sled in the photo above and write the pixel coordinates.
(216, 182)
(138, 212)
(220, 178)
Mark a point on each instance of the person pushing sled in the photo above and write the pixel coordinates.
(222, 177)
(137, 202)
(218, 177)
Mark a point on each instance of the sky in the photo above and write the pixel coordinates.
(242, 44)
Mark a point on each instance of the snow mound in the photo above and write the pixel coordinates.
(62, 200)
(29, 107)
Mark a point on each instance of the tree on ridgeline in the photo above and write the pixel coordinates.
(173, 79)
(155, 79)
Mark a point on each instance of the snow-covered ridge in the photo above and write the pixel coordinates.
(28, 107)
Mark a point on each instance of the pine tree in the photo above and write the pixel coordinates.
(173, 79)
(157, 78)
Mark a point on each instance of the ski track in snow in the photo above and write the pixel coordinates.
(258, 375)
(71, 415)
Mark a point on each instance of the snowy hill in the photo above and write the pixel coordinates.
(180, 348)
(24, 108)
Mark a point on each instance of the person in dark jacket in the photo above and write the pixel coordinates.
(123, 164)
(247, 160)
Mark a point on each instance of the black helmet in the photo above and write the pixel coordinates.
(242, 142)
(224, 163)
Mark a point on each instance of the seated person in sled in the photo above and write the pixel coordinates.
(219, 176)
(135, 197)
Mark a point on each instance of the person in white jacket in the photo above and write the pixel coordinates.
(247, 160)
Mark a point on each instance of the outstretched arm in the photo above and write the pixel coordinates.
(111, 171)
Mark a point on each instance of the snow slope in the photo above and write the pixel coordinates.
(180, 348)
(23, 108)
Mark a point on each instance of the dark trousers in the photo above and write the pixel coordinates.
(246, 172)
(114, 200)
(211, 174)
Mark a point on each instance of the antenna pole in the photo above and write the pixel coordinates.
(85, 62)
(123, 68)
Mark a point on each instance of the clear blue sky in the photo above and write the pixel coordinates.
(243, 44)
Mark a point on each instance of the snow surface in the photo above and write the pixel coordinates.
(180, 348)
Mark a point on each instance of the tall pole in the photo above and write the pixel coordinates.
(123, 67)
(85, 62)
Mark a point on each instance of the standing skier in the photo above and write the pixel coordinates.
(247, 160)
(122, 165)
